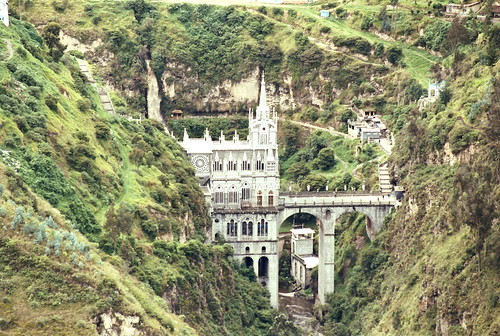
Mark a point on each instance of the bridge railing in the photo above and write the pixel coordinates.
(323, 202)
(330, 193)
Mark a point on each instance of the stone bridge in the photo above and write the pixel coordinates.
(327, 207)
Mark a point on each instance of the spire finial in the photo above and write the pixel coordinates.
(263, 100)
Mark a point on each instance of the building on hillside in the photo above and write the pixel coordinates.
(240, 179)
(367, 128)
(462, 9)
(176, 114)
(303, 259)
(4, 12)
(495, 10)
(433, 91)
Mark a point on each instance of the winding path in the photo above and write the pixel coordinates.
(10, 50)
(329, 129)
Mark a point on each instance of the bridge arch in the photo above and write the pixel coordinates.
(325, 221)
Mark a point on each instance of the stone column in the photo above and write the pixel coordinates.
(326, 267)
(273, 284)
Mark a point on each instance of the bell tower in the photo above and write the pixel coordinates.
(263, 126)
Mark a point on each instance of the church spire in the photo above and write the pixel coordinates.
(263, 98)
(262, 109)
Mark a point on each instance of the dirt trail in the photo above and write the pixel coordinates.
(10, 49)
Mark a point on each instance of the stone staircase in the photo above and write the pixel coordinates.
(384, 178)
(106, 102)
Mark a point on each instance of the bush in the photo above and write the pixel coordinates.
(51, 102)
(325, 30)
(325, 159)
(394, 54)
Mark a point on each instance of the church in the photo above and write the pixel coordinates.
(240, 180)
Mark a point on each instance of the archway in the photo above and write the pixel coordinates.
(248, 261)
(299, 240)
(263, 270)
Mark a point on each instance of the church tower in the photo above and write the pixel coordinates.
(263, 126)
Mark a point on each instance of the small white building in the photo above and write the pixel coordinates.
(462, 9)
(4, 12)
(303, 260)
(433, 91)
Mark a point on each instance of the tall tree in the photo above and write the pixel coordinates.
(50, 35)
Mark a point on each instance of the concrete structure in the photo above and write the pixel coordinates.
(240, 180)
(4, 12)
(462, 9)
(433, 91)
(496, 10)
(303, 259)
(367, 128)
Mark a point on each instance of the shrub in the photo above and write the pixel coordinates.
(51, 102)
(394, 54)
(325, 30)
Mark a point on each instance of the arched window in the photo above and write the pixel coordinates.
(263, 249)
(245, 192)
(259, 198)
(248, 261)
(247, 229)
(259, 165)
(217, 165)
(232, 228)
(247, 249)
(219, 196)
(245, 165)
(263, 267)
(231, 165)
(270, 198)
(262, 228)
(233, 195)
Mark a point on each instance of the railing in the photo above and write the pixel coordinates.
(330, 194)
(340, 202)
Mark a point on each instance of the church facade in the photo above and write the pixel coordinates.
(240, 179)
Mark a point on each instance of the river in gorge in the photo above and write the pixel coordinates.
(298, 310)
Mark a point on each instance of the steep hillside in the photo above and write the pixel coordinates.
(84, 195)
(208, 58)
(434, 269)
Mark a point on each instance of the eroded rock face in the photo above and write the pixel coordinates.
(116, 324)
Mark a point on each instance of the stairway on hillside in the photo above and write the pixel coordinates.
(106, 102)
(384, 178)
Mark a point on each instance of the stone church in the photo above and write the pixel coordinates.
(240, 179)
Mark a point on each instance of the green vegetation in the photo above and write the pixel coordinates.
(326, 160)
(93, 209)
(72, 170)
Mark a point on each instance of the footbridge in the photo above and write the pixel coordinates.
(327, 207)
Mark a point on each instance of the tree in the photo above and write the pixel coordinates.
(282, 326)
(457, 35)
(316, 142)
(298, 170)
(140, 7)
(118, 222)
(475, 201)
(315, 182)
(325, 159)
(291, 134)
(394, 54)
(50, 35)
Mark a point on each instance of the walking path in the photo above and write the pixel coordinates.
(10, 50)
(106, 102)
(384, 178)
(329, 129)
